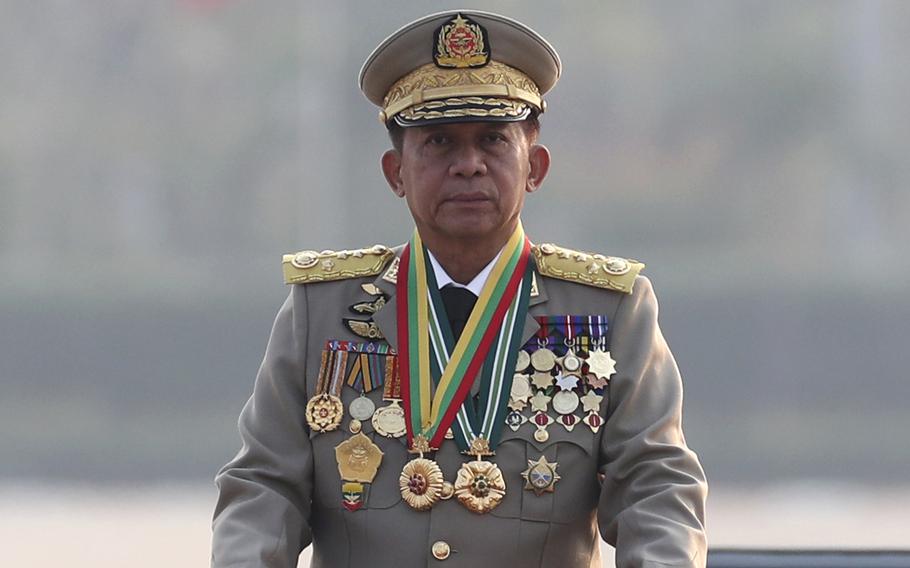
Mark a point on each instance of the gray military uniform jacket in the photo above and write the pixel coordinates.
(634, 483)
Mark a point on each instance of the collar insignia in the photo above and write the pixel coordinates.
(461, 43)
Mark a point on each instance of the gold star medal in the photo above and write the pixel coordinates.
(541, 476)
(539, 402)
(542, 380)
(591, 401)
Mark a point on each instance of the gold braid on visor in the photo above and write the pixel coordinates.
(431, 83)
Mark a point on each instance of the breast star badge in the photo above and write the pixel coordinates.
(541, 476)
(601, 364)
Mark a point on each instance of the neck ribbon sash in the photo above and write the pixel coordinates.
(488, 347)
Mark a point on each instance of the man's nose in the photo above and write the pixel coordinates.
(468, 161)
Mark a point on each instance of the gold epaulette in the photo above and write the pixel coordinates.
(312, 266)
(609, 272)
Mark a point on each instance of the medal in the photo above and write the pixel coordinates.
(521, 387)
(522, 361)
(601, 364)
(566, 382)
(568, 421)
(542, 380)
(325, 410)
(479, 485)
(543, 359)
(565, 402)
(515, 419)
(389, 421)
(541, 476)
(518, 405)
(591, 401)
(594, 421)
(570, 362)
(595, 381)
(358, 459)
(541, 420)
(539, 402)
(421, 481)
(361, 408)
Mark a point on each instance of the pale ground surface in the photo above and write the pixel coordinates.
(155, 526)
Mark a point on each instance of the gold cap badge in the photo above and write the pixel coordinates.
(461, 43)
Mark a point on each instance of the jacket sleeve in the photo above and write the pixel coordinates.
(263, 510)
(653, 494)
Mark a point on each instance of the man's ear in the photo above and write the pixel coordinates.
(391, 169)
(539, 158)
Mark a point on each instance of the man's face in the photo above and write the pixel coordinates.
(466, 180)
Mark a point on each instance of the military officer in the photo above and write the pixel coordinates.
(468, 398)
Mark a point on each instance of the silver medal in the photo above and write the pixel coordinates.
(361, 408)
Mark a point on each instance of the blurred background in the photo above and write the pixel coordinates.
(157, 158)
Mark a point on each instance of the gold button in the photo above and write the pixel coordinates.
(441, 550)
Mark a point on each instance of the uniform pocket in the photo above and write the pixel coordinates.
(576, 491)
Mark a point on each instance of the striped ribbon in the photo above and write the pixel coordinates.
(422, 333)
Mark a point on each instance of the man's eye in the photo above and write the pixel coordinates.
(494, 137)
(438, 139)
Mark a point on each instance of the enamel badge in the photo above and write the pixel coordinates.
(461, 43)
(541, 476)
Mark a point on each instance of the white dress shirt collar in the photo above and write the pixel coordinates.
(475, 285)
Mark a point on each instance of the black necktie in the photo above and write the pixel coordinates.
(458, 302)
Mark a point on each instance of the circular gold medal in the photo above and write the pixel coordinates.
(565, 402)
(389, 421)
(543, 359)
(324, 412)
(480, 486)
(421, 483)
(521, 387)
(541, 435)
(522, 361)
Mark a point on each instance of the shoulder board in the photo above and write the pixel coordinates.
(311, 266)
(610, 272)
